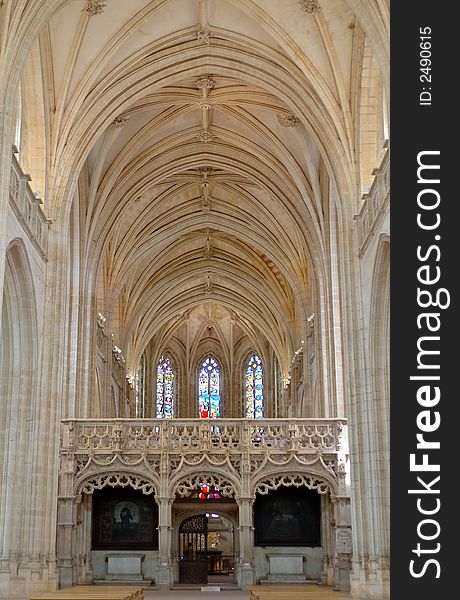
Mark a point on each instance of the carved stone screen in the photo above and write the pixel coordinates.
(288, 516)
(124, 520)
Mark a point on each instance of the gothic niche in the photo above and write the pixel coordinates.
(288, 517)
(124, 519)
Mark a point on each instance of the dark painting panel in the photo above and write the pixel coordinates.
(124, 520)
(288, 517)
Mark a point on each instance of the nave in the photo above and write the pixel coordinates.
(194, 289)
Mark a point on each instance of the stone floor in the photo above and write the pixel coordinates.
(314, 593)
(195, 595)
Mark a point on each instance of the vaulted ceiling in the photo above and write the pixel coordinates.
(205, 136)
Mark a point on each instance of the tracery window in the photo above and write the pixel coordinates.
(209, 389)
(165, 389)
(254, 388)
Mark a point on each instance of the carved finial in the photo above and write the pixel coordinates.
(101, 320)
(287, 120)
(310, 6)
(205, 136)
(131, 378)
(204, 35)
(120, 121)
(94, 7)
(117, 352)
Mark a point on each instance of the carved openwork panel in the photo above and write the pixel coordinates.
(293, 479)
(188, 485)
(116, 480)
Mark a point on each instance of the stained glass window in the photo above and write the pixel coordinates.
(207, 492)
(209, 389)
(165, 389)
(254, 388)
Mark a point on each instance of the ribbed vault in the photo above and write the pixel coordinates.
(208, 144)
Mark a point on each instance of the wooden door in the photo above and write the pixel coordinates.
(193, 551)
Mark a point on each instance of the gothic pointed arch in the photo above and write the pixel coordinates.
(115, 478)
(19, 351)
(185, 484)
(323, 483)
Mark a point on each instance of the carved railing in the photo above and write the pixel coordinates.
(172, 456)
(375, 204)
(27, 208)
(198, 435)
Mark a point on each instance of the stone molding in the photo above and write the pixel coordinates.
(375, 204)
(28, 209)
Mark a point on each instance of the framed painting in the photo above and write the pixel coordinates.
(124, 520)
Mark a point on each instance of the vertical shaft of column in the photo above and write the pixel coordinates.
(164, 542)
(67, 510)
(186, 408)
(246, 568)
(246, 575)
(232, 401)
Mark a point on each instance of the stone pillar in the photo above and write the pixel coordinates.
(165, 571)
(65, 540)
(84, 541)
(245, 565)
(327, 540)
(343, 544)
(67, 510)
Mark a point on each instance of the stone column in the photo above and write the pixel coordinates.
(67, 509)
(327, 540)
(245, 567)
(165, 572)
(84, 541)
(246, 564)
(65, 540)
(343, 546)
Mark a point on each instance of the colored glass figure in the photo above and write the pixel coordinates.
(208, 492)
(209, 389)
(254, 388)
(165, 389)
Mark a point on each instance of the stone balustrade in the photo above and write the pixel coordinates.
(27, 208)
(309, 436)
(374, 205)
